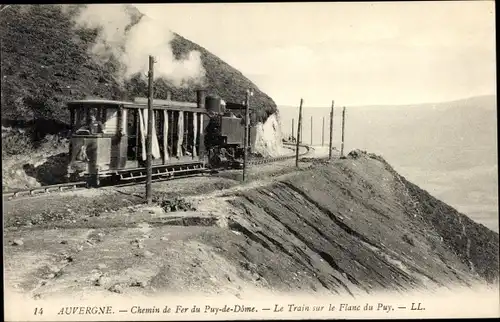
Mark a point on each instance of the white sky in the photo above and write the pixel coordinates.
(355, 53)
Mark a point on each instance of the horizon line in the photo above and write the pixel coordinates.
(394, 105)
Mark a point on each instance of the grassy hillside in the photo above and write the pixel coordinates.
(45, 62)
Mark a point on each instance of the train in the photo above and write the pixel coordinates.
(108, 138)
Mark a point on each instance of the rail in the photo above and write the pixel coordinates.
(45, 189)
(73, 186)
(281, 158)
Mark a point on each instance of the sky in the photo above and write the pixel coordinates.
(354, 53)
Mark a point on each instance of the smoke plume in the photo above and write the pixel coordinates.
(131, 44)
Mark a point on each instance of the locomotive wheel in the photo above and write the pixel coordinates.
(216, 161)
(93, 181)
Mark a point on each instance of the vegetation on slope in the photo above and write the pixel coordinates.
(45, 63)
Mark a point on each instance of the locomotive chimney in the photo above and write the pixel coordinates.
(200, 98)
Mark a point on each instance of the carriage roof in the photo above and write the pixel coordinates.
(157, 104)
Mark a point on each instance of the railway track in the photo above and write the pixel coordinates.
(80, 185)
(280, 158)
(70, 186)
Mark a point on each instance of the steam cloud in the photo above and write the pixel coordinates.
(131, 47)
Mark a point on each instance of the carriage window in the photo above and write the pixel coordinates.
(133, 146)
(80, 117)
(132, 122)
(83, 115)
(159, 128)
(103, 114)
(110, 120)
(93, 112)
(98, 112)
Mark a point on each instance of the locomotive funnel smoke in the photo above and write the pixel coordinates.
(131, 44)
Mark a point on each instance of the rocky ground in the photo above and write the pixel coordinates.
(351, 226)
(33, 167)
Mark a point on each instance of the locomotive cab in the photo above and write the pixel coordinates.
(226, 133)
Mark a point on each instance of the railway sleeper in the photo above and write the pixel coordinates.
(161, 172)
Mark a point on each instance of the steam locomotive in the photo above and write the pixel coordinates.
(108, 137)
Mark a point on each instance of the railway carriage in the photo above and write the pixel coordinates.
(109, 137)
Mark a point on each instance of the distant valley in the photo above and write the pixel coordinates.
(448, 148)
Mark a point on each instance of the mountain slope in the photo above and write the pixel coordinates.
(46, 62)
(352, 226)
